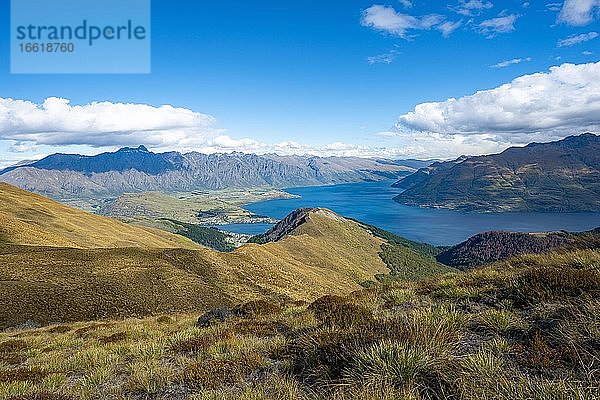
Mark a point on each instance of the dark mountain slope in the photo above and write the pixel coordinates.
(495, 246)
(558, 176)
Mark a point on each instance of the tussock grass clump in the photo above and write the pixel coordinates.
(348, 315)
(498, 320)
(114, 338)
(215, 373)
(12, 351)
(321, 355)
(259, 328)
(398, 296)
(199, 343)
(85, 330)
(326, 304)
(484, 363)
(337, 311)
(392, 364)
(59, 329)
(12, 345)
(164, 319)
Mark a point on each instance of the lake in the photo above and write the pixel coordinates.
(371, 202)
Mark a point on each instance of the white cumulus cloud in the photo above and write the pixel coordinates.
(57, 122)
(579, 12)
(547, 105)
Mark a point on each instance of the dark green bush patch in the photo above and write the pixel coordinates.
(257, 308)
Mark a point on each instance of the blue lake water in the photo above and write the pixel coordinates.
(372, 203)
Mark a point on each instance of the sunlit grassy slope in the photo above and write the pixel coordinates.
(30, 219)
(56, 265)
(527, 328)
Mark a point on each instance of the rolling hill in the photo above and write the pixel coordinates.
(59, 264)
(67, 176)
(32, 220)
(560, 176)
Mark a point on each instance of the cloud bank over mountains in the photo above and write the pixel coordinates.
(57, 122)
(539, 107)
(547, 105)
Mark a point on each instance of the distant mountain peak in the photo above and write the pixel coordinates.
(141, 149)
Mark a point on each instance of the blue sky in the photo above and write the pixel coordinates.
(320, 77)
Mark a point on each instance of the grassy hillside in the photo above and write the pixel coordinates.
(522, 329)
(56, 275)
(30, 219)
(407, 259)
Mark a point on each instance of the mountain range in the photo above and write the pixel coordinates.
(559, 176)
(139, 170)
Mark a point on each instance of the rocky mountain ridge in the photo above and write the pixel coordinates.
(139, 170)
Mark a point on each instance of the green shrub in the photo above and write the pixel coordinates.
(209, 237)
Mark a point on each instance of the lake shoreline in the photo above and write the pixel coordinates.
(372, 203)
